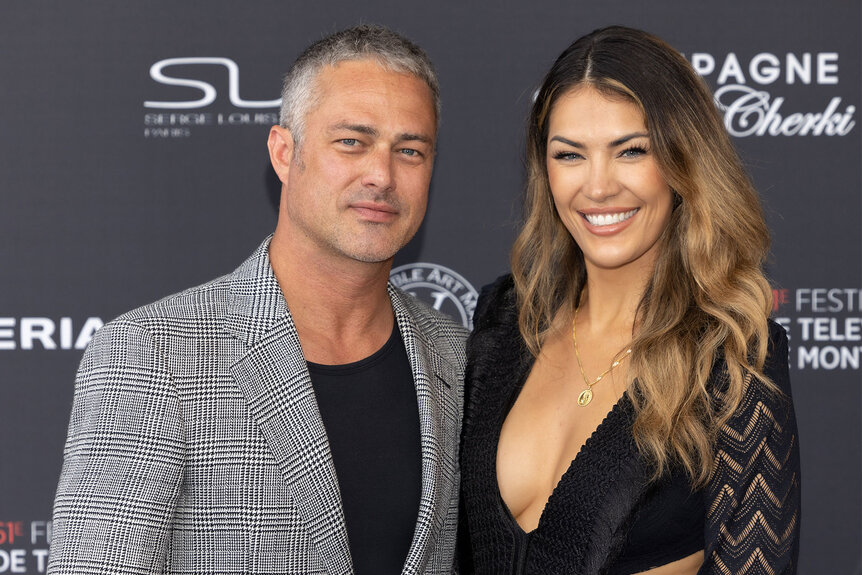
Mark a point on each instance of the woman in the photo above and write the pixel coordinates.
(628, 404)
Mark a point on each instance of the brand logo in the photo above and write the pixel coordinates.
(209, 92)
(750, 110)
(45, 333)
(824, 326)
(439, 287)
(183, 115)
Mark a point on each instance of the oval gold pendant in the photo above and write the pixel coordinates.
(585, 397)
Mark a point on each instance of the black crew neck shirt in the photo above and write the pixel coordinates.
(371, 415)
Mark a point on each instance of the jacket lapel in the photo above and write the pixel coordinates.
(438, 423)
(274, 379)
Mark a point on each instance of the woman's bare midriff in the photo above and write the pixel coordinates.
(685, 566)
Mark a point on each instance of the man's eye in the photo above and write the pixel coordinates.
(410, 152)
(349, 141)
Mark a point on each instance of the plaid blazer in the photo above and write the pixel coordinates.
(195, 443)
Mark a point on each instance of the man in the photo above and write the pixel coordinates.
(298, 415)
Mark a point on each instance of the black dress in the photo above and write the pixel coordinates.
(604, 516)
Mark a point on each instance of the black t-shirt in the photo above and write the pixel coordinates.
(371, 415)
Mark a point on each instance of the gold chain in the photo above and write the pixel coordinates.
(586, 395)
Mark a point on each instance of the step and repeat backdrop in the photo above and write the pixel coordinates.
(132, 146)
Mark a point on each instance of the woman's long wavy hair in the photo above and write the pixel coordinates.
(708, 298)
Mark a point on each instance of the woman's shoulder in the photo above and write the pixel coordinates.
(497, 303)
(777, 365)
(777, 334)
(496, 340)
(758, 397)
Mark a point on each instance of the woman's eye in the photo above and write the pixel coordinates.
(567, 156)
(633, 152)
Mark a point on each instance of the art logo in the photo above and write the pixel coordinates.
(31, 333)
(439, 287)
(751, 109)
(824, 326)
(175, 118)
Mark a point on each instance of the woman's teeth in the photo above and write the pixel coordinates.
(608, 219)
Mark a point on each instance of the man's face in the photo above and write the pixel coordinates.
(357, 187)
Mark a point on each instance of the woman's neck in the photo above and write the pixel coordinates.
(610, 299)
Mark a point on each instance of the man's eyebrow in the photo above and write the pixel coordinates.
(618, 142)
(370, 131)
(360, 128)
(415, 138)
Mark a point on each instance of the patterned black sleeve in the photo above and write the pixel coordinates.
(753, 497)
(123, 460)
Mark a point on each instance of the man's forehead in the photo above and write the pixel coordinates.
(365, 71)
(365, 63)
(354, 93)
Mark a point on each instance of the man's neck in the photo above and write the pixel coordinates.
(341, 309)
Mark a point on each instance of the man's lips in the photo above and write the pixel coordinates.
(375, 212)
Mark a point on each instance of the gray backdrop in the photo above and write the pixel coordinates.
(111, 200)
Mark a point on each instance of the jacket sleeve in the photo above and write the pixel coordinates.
(123, 460)
(753, 497)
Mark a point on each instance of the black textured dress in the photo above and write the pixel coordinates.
(604, 516)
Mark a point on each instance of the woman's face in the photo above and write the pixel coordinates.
(605, 180)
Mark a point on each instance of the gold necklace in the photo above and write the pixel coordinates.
(586, 395)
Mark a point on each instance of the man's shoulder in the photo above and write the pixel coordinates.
(205, 304)
(199, 302)
(171, 323)
(428, 317)
(448, 336)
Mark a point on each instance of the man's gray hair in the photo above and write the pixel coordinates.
(391, 50)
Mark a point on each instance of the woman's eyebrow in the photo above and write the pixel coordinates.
(567, 142)
(624, 139)
(618, 142)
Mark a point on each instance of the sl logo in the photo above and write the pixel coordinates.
(209, 91)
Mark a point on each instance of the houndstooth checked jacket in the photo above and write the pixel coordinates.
(195, 443)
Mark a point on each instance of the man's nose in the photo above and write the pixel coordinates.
(378, 170)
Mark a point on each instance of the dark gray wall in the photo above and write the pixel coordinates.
(102, 209)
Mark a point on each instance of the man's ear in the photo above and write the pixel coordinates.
(281, 148)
